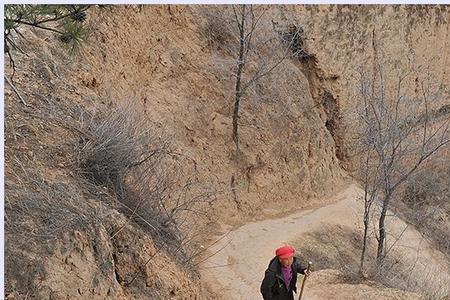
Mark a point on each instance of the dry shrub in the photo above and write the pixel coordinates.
(122, 152)
(113, 144)
(215, 29)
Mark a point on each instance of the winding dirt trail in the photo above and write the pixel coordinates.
(240, 258)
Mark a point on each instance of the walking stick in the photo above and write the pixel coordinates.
(304, 280)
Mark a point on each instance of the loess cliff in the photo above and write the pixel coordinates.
(68, 237)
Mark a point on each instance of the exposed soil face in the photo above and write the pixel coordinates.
(410, 37)
(328, 104)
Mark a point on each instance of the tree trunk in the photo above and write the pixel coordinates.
(238, 91)
(382, 231)
(364, 246)
(366, 218)
(235, 120)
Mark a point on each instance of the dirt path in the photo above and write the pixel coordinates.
(247, 250)
(236, 270)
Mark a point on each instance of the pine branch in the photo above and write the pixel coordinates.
(36, 24)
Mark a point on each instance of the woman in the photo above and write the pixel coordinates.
(280, 278)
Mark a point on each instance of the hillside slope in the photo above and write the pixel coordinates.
(66, 238)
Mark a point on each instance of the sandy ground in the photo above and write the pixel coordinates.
(240, 257)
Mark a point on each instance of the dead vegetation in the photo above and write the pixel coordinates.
(425, 203)
(139, 166)
(334, 248)
(102, 163)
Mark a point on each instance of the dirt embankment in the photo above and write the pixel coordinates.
(405, 40)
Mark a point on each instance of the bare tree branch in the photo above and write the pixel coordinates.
(15, 90)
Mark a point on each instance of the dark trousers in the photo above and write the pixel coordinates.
(285, 296)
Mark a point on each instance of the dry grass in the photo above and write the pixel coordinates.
(426, 203)
(38, 212)
(123, 153)
(214, 30)
(339, 248)
(113, 144)
(333, 247)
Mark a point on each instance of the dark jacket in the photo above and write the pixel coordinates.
(273, 286)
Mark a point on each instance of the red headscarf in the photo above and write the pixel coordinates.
(285, 252)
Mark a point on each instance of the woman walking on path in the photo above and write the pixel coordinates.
(280, 278)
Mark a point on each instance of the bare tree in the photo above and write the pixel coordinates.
(398, 134)
(367, 169)
(257, 48)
